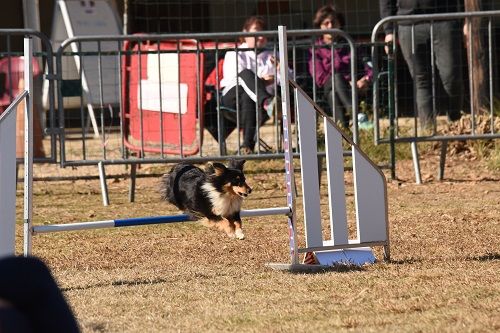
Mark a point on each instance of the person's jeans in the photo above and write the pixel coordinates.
(342, 101)
(447, 49)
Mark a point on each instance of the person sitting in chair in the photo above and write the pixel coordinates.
(320, 65)
(248, 78)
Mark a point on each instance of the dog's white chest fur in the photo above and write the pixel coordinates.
(224, 204)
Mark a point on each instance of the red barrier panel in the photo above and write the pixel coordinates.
(11, 72)
(11, 85)
(175, 76)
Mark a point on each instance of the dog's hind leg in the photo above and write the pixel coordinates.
(209, 223)
(220, 223)
(227, 227)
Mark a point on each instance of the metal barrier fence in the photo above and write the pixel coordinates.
(136, 78)
(479, 122)
(12, 83)
(116, 87)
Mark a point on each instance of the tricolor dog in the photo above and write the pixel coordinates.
(215, 193)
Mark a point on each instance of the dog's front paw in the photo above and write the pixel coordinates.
(239, 234)
(231, 235)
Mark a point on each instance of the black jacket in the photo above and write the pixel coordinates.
(414, 7)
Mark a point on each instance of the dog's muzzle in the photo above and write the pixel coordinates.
(244, 192)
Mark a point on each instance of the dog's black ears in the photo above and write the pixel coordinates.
(216, 168)
(236, 164)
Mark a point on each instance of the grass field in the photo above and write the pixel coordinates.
(443, 276)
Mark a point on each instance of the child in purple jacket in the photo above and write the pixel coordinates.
(327, 17)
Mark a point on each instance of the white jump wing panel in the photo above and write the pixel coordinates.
(7, 183)
(336, 185)
(309, 162)
(370, 196)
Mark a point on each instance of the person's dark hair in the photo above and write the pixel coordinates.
(328, 11)
(257, 20)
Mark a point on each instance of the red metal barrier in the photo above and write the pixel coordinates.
(179, 74)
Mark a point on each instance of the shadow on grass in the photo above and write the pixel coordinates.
(118, 283)
(335, 268)
(405, 261)
(486, 257)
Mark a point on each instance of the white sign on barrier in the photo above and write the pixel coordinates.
(150, 90)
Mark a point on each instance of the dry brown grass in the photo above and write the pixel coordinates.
(443, 277)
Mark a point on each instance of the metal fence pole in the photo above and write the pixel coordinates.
(28, 145)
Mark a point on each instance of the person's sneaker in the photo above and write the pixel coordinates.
(245, 150)
(363, 122)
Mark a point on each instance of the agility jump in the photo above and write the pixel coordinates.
(369, 185)
(370, 188)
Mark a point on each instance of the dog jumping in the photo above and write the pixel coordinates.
(215, 193)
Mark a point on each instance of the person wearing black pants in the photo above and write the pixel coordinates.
(30, 300)
(447, 47)
(446, 44)
(247, 98)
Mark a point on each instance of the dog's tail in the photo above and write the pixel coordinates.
(169, 183)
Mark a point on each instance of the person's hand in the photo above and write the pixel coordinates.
(275, 62)
(362, 83)
(466, 33)
(268, 79)
(389, 39)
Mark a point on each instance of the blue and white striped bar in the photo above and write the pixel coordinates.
(136, 221)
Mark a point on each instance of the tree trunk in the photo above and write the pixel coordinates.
(475, 56)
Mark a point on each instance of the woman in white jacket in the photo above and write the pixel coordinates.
(239, 80)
